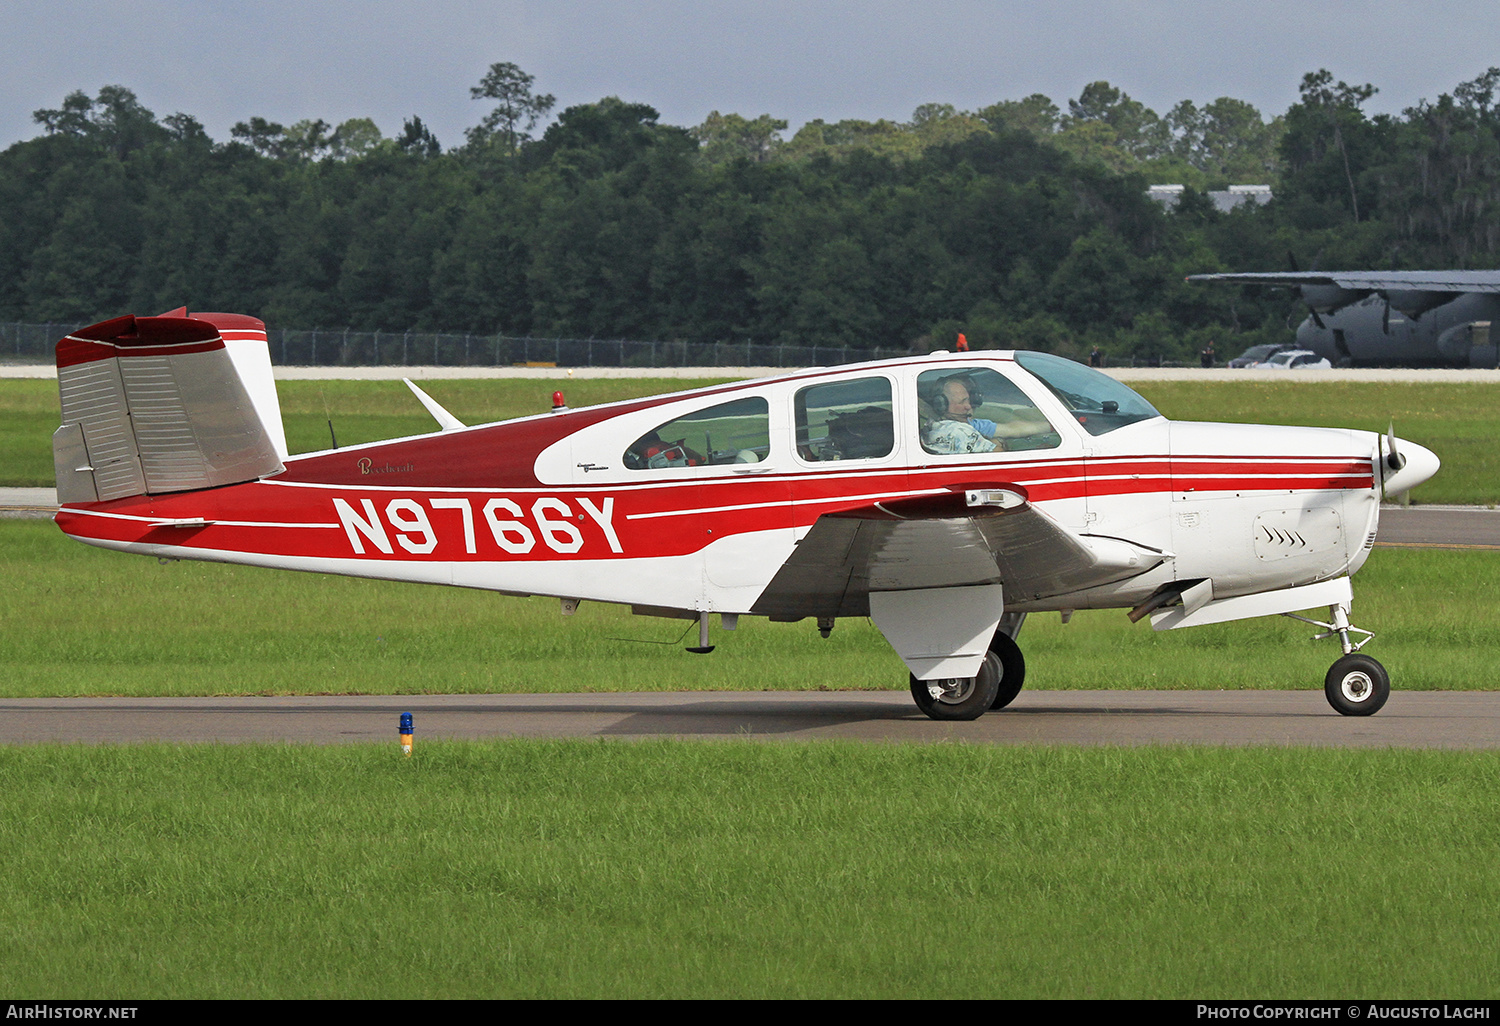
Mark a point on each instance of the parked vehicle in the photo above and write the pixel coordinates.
(1256, 355)
(1297, 359)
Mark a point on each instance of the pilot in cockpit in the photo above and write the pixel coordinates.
(946, 411)
(955, 428)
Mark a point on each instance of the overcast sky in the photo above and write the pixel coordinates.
(223, 61)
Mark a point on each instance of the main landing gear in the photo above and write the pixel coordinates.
(967, 698)
(1356, 685)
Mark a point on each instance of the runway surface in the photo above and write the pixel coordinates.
(1418, 719)
(1442, 527)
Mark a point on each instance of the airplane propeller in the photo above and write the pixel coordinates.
(1393, 459)
(1403, 469)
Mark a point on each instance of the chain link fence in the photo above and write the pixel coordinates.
(30, 343)
(343, 347)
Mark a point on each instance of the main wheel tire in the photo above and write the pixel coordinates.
(1012, 669)
(1357, 685)
(959, 698)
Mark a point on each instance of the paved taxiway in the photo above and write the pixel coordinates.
(1439, 527)
(1417, 719)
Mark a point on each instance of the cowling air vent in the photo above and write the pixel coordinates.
(1288, 533)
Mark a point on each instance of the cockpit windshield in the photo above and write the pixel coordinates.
(1099, 402)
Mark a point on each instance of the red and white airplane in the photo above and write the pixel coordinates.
(946, 497)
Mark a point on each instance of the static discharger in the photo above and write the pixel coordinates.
(406, 734)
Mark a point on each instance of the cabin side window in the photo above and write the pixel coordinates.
(845, 420)
(977, 410)
(733, 432)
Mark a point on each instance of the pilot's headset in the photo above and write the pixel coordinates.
(936, 394)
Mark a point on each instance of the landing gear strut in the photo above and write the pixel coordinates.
(1356, 685)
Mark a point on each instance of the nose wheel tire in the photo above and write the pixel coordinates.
(1357, 685)
(959, 698)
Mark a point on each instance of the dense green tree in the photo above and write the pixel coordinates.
(417, 139)
(1106, 125)
(114, 120)
(1035, 114)
(1019, 224)
(354, 138)
(517, 109)
(1329, 142)
(266, 138)
(725, 137)
(479, 282)
(1442, 187)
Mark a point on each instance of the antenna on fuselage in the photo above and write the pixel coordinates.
(331, 436)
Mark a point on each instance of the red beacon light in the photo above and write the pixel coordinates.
(558, 405)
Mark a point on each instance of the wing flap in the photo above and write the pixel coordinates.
(846, 556)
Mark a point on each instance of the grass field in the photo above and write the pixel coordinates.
(1457, 421)
(670, 869)
(84, 621)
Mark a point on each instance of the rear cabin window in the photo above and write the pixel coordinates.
(733, 432)
(845, 420)
(977, 410)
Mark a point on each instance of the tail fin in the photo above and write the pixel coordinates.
(165, 404)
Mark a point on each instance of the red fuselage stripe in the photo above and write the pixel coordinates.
(653, 519)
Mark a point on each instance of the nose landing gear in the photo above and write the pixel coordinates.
(1356, 685)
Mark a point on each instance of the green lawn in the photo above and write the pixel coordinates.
(682, 870)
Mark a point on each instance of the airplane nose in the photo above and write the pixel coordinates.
(1421, 463)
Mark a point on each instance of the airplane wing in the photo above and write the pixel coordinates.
(1369, 281)
(984, 536)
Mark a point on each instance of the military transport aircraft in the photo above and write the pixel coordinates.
(947, 497)
(1392, 318)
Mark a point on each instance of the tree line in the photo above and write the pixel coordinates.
(1022, 224)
